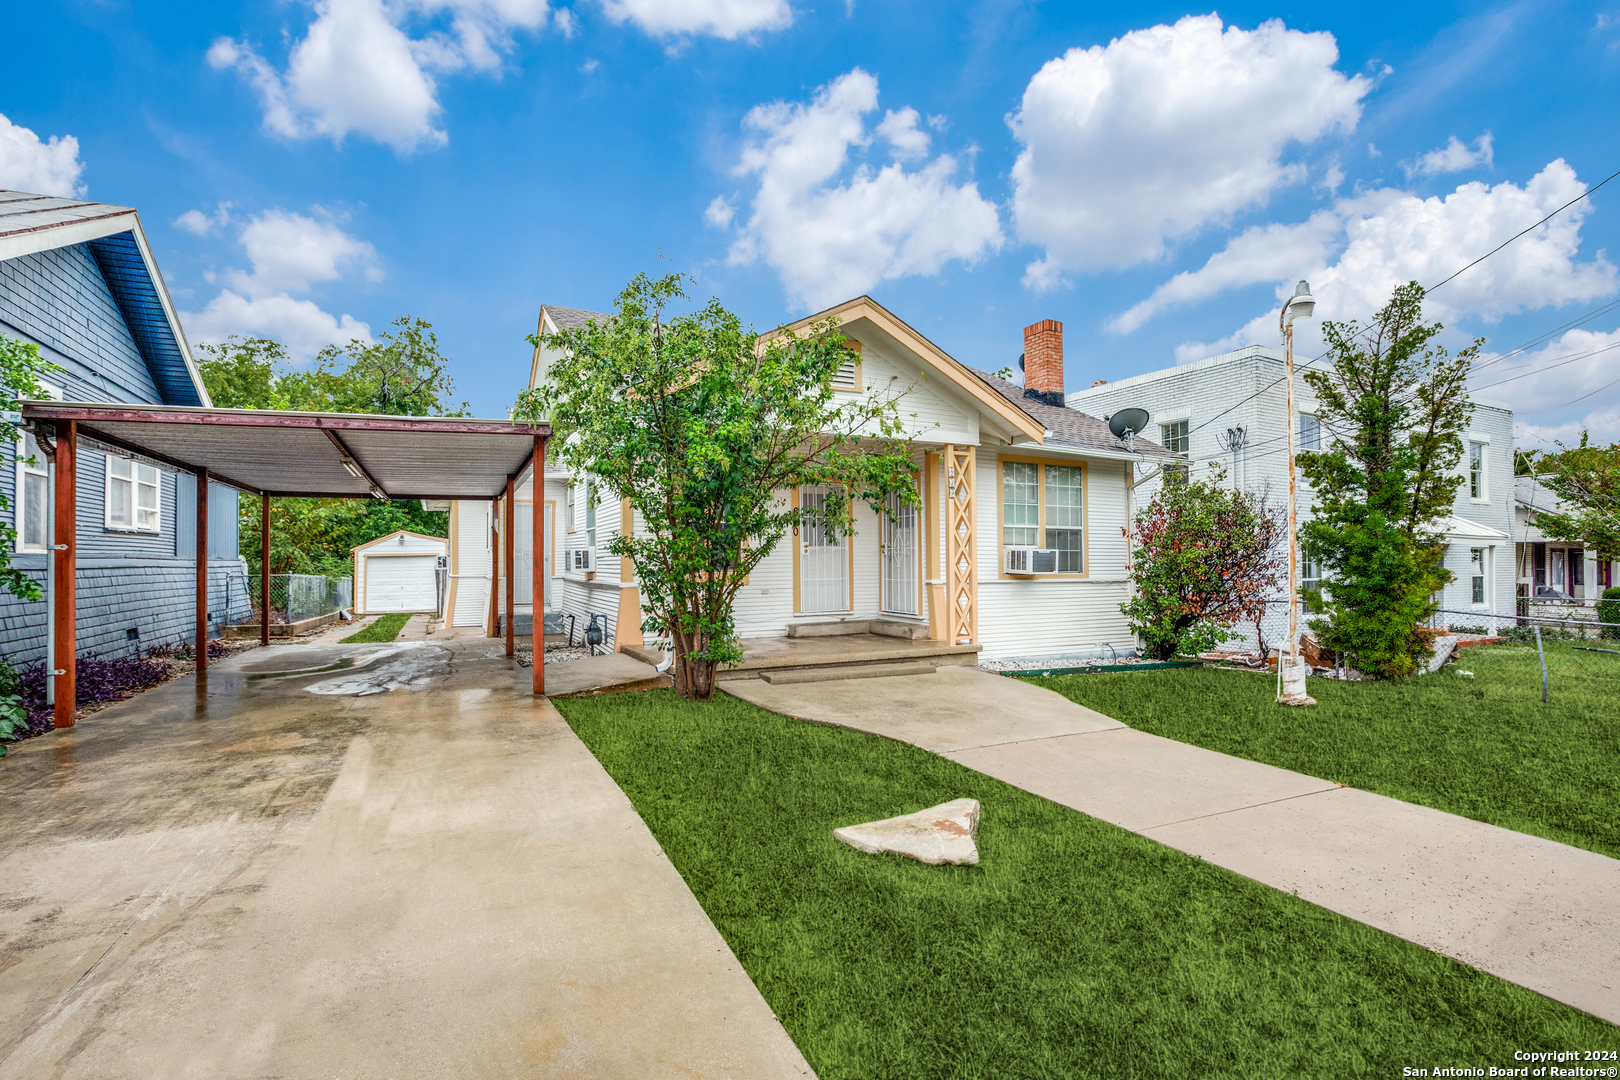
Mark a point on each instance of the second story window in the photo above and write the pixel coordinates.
(1175, 436)
(1310, 432)
(1476, 470)
(132, 494)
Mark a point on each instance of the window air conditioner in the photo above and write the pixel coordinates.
(582, 559)
(1028, 560)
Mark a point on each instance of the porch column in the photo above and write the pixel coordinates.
(202, 572)
(961, 546)
(511, 587)
(65, 566)
(264, 569)
(932, 509)
(538, 599)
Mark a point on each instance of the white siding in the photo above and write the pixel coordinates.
(473, 563)
(924, 408)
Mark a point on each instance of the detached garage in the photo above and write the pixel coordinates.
(398, 572)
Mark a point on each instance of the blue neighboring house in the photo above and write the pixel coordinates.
(78, 279)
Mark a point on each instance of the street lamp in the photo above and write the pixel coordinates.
(1291, 665)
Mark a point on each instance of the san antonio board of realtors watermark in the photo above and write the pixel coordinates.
(1533, 1063)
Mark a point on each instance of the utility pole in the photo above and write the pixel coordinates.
(1291, 665)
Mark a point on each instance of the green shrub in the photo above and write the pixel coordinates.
(1608, 611)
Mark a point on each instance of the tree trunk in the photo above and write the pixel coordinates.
(694, 675)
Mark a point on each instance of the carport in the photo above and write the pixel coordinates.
(282, 455)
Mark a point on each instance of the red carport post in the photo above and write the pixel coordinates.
(264, 569)
(511, 564)
(202, 572)
(538, 583)
(66, 564)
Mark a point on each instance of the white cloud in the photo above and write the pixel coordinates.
(831, 236)
(729, 19)
(291, 253)
(42, 167)
(1547, 384)
(719, 213)
(1130, 146)
(1387, 237)
(357, 70)
(1261, 253)
(201, 224)
(1453, 157)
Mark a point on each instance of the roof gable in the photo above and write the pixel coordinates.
(34, 223)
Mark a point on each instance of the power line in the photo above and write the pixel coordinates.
(1532, 228)
(1562, 360)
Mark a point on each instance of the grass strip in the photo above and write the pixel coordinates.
(1075, 949)
(1483, 747)
(384, 629)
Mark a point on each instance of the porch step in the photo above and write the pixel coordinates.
(894, 628)
(845, 671)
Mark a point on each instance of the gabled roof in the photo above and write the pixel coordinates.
(1071, 427)
(34, 223)
(567, 318)
(864, 307)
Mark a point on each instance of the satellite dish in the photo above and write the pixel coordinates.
(1020, 361)
(1127, 422)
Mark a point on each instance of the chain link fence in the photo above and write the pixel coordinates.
(296, 597)
(1553, 647)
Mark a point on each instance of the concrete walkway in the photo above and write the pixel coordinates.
(398, 865)
(1537, 913)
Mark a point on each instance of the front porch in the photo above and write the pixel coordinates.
(826, 656)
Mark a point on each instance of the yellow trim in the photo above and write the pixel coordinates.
(1040, 496)
(860, 381)
(390, 536)
(864, 307)
(962, 546)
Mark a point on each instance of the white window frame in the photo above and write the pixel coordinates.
(1483, 475)
(1299, 434)
(1165, 442)
(1483, 577)
(19, 491)
(568, 513)
(137, 481)
(1042, 525)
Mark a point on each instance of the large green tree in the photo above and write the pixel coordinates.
(402, 373)
(704, 426)
(1393, 406)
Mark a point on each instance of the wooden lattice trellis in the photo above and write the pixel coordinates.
(961, 547)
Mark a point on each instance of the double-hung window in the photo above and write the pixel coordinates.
(1175, 436)
(1310, 432)
(1043, 506)
(34, 485)
(1476, 470)
(1476, 567)
(133, 495)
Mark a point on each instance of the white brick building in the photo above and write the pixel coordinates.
(1230, 408)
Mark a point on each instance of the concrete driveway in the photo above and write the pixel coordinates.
(383, 861)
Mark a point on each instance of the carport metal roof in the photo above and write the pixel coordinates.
(329, 455)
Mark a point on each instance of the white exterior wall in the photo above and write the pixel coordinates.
(1211, 393)
(471, 568)
(1055, 616)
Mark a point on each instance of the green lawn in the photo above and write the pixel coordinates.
(386, 628)
(1075, 948)
(1483, 747)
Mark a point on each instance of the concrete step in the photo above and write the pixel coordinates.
(895, 628)
(845, 671)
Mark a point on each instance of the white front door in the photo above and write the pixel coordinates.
(899, 557)
(823, 562)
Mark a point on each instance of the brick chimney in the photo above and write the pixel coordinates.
(1043, 362)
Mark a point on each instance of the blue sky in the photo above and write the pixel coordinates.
(1154, 178)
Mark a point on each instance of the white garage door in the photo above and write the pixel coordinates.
(399, 583)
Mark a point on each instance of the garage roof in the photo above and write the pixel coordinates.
(329, 455)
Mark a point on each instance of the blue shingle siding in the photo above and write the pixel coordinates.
(61, 299)
(155, 598)
(131, 286)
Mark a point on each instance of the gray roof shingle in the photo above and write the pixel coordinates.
(1071, 427)
(567, 318)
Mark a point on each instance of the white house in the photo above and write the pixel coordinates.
(1018, 545)
(398, 572)
(1553, 569)
(1232, 408)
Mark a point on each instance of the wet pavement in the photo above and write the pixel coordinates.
(378, 860)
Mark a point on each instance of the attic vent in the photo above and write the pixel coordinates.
(848, 377)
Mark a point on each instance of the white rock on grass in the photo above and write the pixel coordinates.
(940, 834)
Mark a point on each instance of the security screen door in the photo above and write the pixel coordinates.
(823, 561)
(899, 557)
